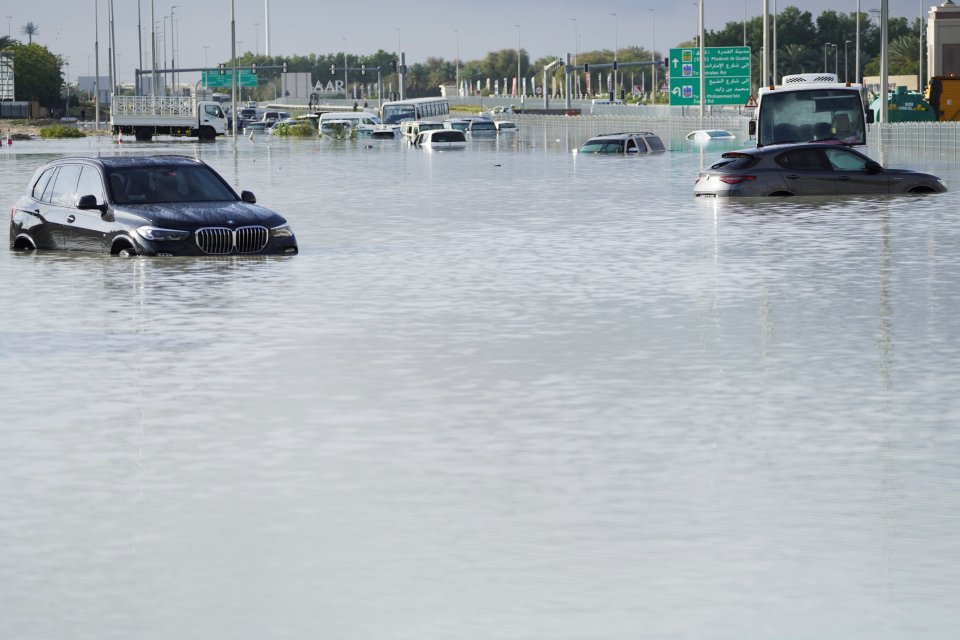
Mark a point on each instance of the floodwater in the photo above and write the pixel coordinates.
(506, 392)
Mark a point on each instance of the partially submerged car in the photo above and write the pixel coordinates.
(812, 169)
(441, 139)
(151, 206)
(628, 143)
(708, 135)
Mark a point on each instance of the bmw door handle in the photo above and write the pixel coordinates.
(843, 177)
(793, 176)
(71, 218)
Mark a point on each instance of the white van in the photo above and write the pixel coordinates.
(410, 129)
(357, 119)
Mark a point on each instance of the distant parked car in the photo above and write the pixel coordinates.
(481, 127)
(441, 139)
(505, 126)
(706, 135)
(152, 206)
(813, 169)
(629, 143)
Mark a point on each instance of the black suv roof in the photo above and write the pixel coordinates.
(131, 161)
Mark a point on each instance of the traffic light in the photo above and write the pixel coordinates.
(253, 68)
(223, 69)
(586, 67)
(333, 69)
(284, 67)
(614, 65)
(363, 69)
(393, 65)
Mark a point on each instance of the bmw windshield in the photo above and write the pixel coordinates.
(156, 184)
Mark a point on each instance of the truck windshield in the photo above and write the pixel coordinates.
(811, 114)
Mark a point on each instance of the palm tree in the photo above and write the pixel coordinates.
(30, 30)
(796, 58)
(903, 54)
(6, 42)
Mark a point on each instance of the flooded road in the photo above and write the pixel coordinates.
(504, 392)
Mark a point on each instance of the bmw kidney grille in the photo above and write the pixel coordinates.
(222, 241)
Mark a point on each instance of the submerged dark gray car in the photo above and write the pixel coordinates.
(156, 205)
(815, 169)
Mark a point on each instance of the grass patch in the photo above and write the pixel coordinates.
(61, 131)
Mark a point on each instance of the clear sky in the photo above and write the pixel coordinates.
(202, 28)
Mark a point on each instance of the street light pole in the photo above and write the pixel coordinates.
(153, 49)
(344, 67)
(846, 72)
(653, 54)
(836, 59)
(826, 45)
(856, 56)
(457, 31)
(920, 57)
(173, 51)
(96, 64)
(615, 47)
(576, 78)
(519, 90)
(136, 90)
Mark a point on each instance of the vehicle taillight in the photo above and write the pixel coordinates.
(736, 179)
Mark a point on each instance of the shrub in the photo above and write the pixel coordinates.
(299, 130)
(61, 131)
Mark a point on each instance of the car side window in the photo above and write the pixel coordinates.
(41, 184)
(802, 160)
(90, 184)
(65, 188)
(843, 160)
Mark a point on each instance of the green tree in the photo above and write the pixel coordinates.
(6, 42)
(796, 58)
(417, 80)
(37, 74)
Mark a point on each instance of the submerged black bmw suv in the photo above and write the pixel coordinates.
(154, 206)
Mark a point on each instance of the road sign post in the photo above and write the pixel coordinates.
(726, 78)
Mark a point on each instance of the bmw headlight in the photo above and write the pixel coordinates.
(160, 235)
(283, 231)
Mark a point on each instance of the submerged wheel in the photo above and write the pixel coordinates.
(143, 134)
(126, 251)
(207, 134)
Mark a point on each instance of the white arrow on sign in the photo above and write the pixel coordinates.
(675, 63)
(676, 91)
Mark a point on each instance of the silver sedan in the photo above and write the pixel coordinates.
(814, 169)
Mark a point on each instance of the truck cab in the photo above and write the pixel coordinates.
(809, 107)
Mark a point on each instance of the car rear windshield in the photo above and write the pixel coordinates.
(602, 146)
(736, 161)
(158, 184)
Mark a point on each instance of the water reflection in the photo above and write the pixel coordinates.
(510, 388)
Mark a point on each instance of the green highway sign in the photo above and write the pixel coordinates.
(213, 79)
(727, 77)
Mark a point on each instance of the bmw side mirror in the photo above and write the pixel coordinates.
(873, 167)
(248, 197)
(89, 202)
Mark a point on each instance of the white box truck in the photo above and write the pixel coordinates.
(147, 116)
